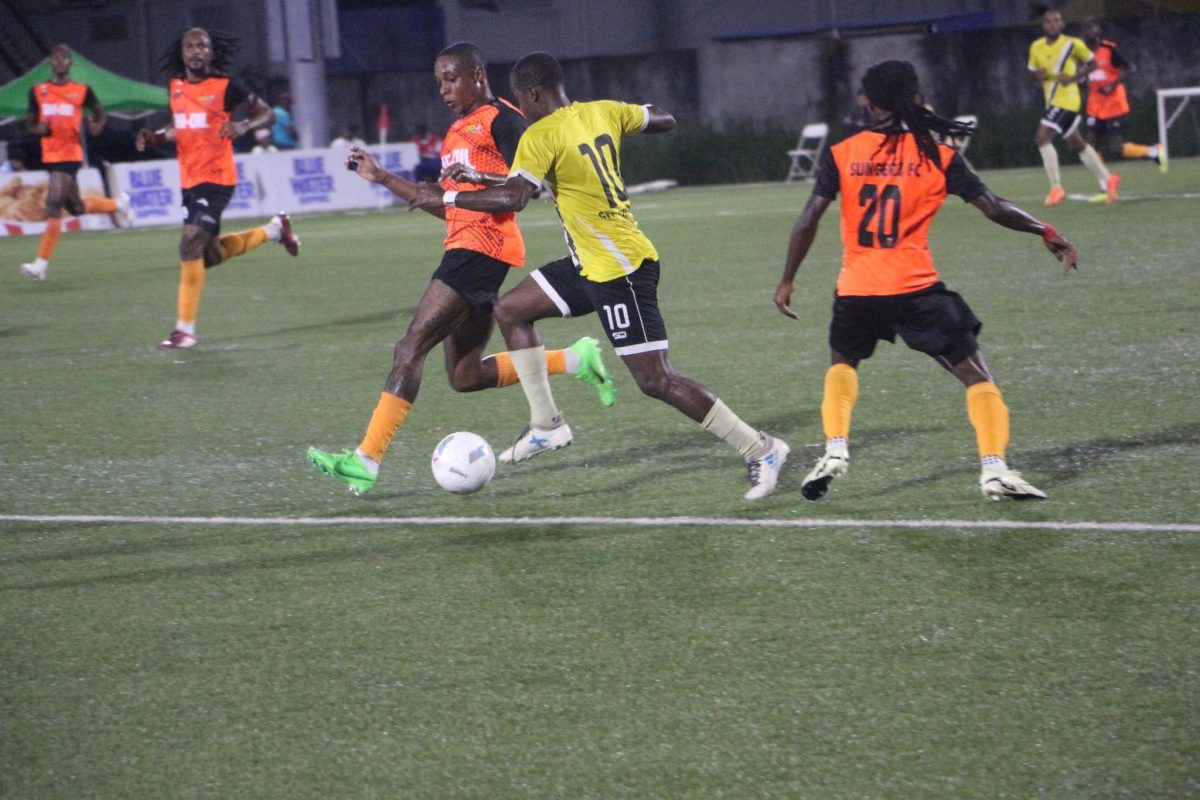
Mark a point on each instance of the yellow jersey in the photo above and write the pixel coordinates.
(577, 151)
(1065, 56)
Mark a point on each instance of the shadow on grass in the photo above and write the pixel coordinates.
(335, 323)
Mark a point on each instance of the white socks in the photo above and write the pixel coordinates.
(1050, 162)
(1092, 161)
(728, 427)
(530, 364)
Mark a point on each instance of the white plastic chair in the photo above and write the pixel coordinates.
(807, 151)
(960, 143)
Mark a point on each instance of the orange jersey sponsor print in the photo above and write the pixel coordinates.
(889, 198)
(485, 139)
(199, 110)
(61, 106)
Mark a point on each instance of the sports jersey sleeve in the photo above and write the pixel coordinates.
(236, 93)
(33, 104)
(827, 177)
(507, 127)
(1080, 52)
(961, 181)
(90, 100)
(1118, 60)
(633, 119)
(534, 159)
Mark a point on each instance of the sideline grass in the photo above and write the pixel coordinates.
(563, 661)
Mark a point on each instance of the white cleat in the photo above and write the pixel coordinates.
(833, 464)
(123, 216)
(534, 440)
(287, 237)
(179, 340)
(764, 470)
(33, 271)
(996, 484)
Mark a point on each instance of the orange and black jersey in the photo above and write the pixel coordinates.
(890, 195)
(60, 106)
(486, 139)
(1106, 97)
(199, 110)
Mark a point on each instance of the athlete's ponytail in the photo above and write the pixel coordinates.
(892, 86)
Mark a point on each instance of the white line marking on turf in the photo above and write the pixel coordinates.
(716, 522)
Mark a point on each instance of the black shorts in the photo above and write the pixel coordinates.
(203, 205)
(567, 289)
(1102, 128)
(1060, 120)
(477, 278)
(935, 321)
(69, 167)
(628, 310)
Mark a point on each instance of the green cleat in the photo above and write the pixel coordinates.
(592, 370)
(346, 466)
(1162, 159)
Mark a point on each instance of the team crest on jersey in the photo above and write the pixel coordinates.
(476, 128)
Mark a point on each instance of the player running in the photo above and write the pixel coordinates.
(893, 179)
(1107, 105)
(576, 148)
(1060, 62)
(56, 115)
(203, 98)
(457, 307)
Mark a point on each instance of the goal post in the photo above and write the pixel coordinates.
(1184, 94)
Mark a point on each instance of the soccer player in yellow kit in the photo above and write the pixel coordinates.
(1060, 62)
(576, 148)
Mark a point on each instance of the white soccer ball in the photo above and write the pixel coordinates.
(463, 463)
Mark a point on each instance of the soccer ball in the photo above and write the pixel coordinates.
(463, 463)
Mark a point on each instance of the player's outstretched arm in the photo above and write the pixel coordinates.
(801, 239)
(513, 195)
(462, 173)
(1006, 213)
(366, 167)
(659, 121)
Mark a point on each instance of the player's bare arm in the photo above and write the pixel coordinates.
(801, 239)
(148, 138)
(366, 167)
(260, 116)
(463, 173)
(1006, 213)
(1079, 77)
(513, 195)
(659, 121)
(97, 120)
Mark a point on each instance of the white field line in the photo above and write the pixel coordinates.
(651, 522)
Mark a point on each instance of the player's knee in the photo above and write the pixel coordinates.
(465, 380)
(656, 383)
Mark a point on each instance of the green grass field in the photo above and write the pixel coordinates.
(237, 634)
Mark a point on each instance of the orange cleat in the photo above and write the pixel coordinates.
(1110, 188)
(1056, 196)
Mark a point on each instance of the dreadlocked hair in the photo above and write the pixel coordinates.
(892, 85)
(224, 48)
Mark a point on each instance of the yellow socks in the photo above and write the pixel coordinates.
(99, 205)
(191, 284)
(234, 244)
(989, 417)
(389, 415)
(49, 238)
(841, 393)
(506, 373)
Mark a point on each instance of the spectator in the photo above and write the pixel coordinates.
(429, 159)
(347, 137)
(283, 133)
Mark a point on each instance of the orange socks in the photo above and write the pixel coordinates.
(389, 415)
(49, 238)
(989, 417)
(1131, 150)
(191, 284)
(234, 244)
(841, 392)
(99, 205)
(506, 373)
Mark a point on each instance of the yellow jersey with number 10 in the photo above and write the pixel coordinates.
(577, 150)
(1064, 57)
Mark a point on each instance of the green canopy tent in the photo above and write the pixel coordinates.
(120, 96)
